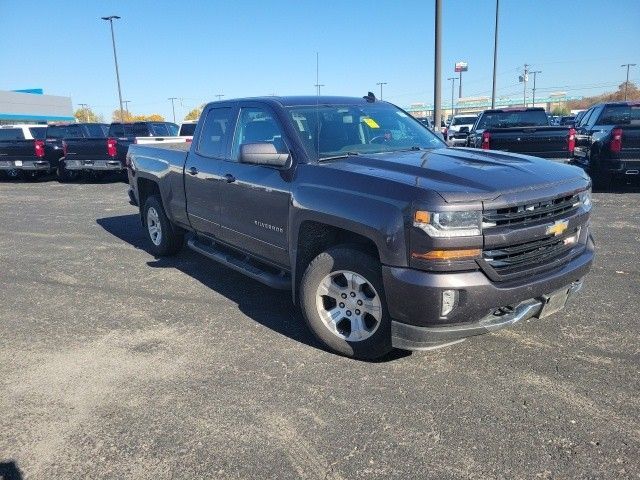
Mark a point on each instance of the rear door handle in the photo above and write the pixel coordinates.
(193, 171)
(229, 178)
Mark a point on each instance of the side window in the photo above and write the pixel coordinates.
(215, 133)
(585, 117)
(594, 117)
(257, 125)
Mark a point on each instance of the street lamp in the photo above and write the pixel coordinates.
(110, 19)
(126, 106)
(381, 84)
(626, 84)
(453, 89)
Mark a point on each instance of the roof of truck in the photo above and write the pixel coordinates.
(304, 100)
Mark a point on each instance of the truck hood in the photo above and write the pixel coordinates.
(462, 174)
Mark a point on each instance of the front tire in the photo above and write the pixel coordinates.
(343, 304)
(164, 238)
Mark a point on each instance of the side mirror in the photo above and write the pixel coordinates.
(263, 153)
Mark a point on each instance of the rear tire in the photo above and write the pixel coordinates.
(13, 174)
(164, 238)
(64, 175)
(342, 301)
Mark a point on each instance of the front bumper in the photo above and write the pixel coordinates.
(414, 301)
(97, 165)
(33, 165)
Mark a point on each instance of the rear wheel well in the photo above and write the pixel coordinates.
(146, 188)
(315, 237)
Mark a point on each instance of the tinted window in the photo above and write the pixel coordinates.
(620, 115)
(513, 118)
(215, 133)
(96, 130)
(39, 133)
(11, 134)
(73, 131)
(187, 129)
(159, 130)
(257, 125)
(116, 130)
(173, 129)
(138, 130)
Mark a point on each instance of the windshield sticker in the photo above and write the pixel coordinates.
(370, 122)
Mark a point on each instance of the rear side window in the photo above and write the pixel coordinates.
(11, 134)
(187, 129)
(160, 130)
(214, 136)
(39, 133)
(620, 115)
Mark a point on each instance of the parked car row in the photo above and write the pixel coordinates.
(68, 150)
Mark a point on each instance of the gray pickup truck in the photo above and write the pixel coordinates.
(385, 237)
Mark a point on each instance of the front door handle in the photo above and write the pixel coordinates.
(193, 171)
(229, 178)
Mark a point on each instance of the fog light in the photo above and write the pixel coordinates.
(449, 301)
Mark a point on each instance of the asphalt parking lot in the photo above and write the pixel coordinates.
(114, 364)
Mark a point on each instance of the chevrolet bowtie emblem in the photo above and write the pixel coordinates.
(557, 228)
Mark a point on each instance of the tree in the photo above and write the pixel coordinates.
(194, 114)
(560, 111)
(633, 93)
(85, 114)
(116, 117)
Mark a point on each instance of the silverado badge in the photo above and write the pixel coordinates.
(557, 228)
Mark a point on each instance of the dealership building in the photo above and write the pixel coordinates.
(33, 106)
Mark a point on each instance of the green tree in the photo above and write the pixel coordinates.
(194, 114)
(85, 114)
(154, 117)
(560, 111)
(116, 117)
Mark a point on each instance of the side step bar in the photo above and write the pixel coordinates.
(281, 281)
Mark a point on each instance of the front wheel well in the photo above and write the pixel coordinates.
(315, 237)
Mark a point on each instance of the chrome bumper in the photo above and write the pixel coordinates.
(102, 165)
(24, 165)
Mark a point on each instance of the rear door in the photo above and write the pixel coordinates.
(202, 180)
(255, 199)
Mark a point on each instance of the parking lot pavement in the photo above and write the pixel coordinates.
(114, 364)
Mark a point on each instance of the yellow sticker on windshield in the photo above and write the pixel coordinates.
(370, 122)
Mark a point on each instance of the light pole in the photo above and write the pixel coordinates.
(126, 107)
(437, 70)
(110, 19)
(453, 89)
(173, 107)
(381, 84)
(626, 83)
(495, 57)
(533, 94)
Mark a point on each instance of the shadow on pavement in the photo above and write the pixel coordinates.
(271, 308)
(10, 471)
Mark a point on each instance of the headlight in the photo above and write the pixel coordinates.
(449, 224)
(585, 199)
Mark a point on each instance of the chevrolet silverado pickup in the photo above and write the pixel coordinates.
(608, 142)
(384, 235)
(107, 154)
(522, 130)
(22, 151)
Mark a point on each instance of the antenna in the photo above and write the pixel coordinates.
(318, 85)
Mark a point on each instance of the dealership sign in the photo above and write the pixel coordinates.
(461, 67)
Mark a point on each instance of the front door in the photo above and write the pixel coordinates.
(256, 198)
(202, 169)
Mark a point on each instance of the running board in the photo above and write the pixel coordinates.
(281, 281)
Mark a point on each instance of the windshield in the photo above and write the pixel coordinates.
(333, 130)
(463, 120)
(514, 118)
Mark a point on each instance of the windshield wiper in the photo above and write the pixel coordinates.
(337, 157)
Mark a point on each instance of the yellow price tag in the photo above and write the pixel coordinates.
(371, 122)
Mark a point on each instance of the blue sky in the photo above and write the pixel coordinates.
(195, 50)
